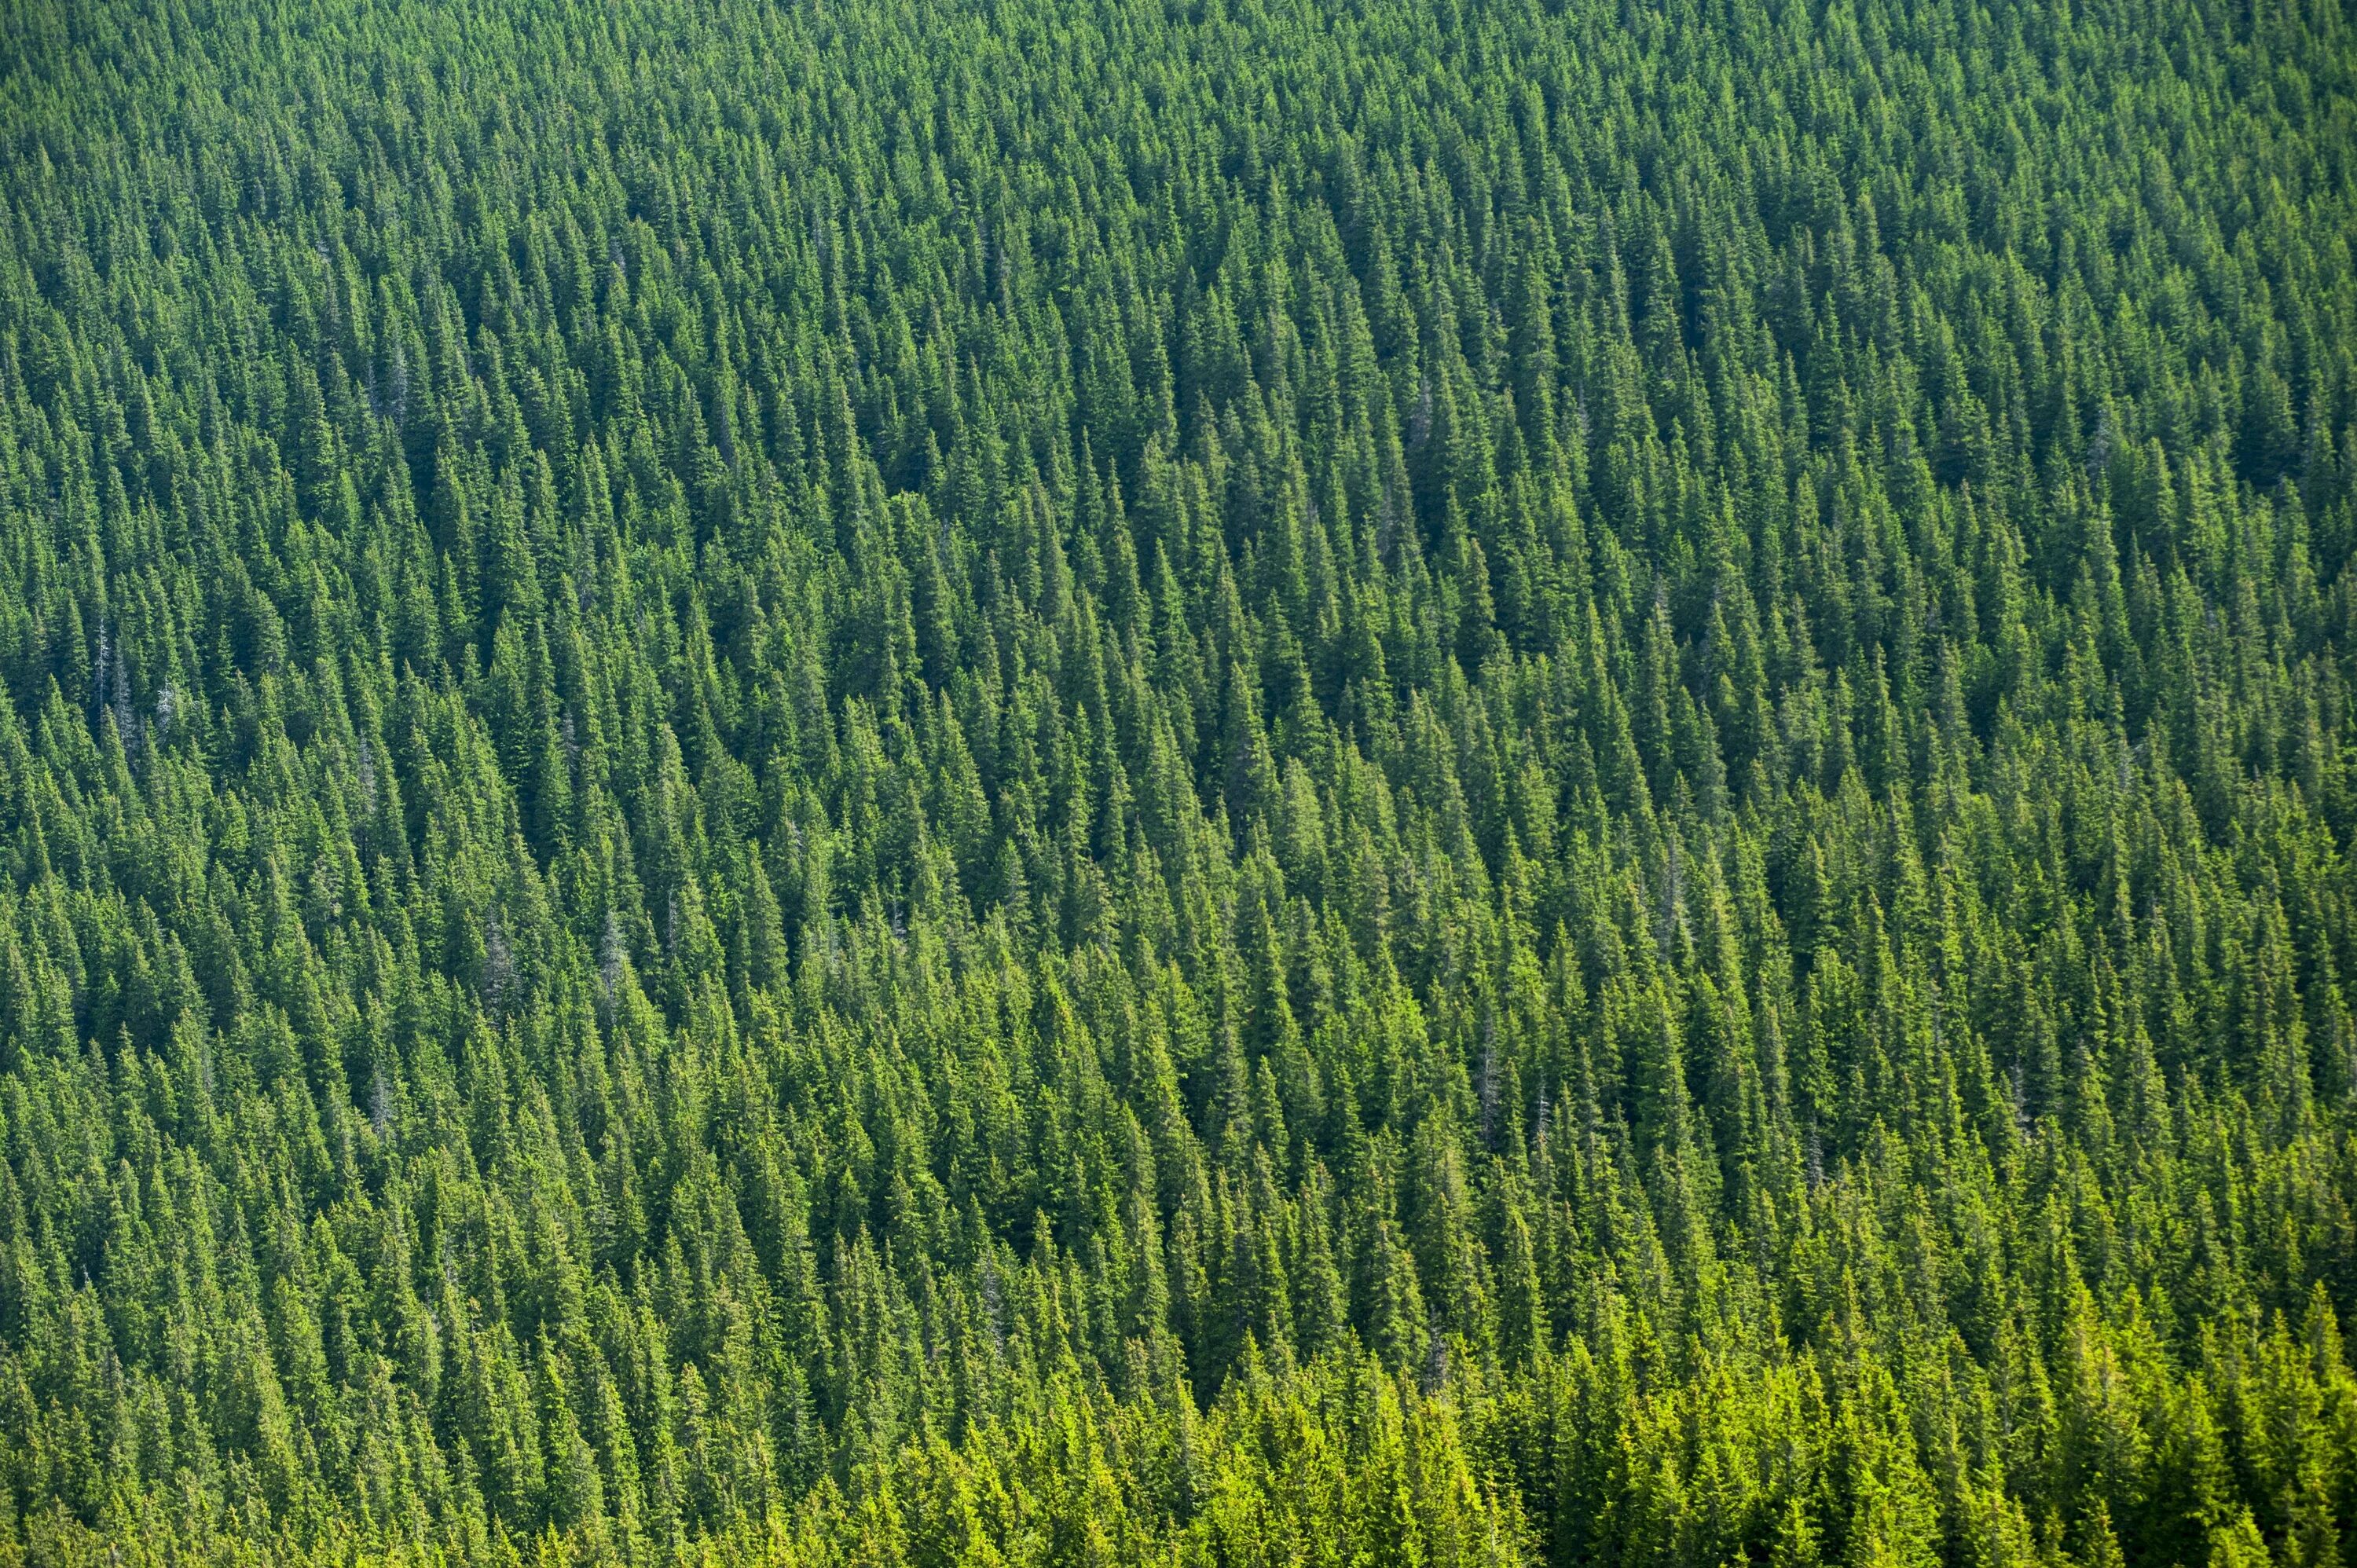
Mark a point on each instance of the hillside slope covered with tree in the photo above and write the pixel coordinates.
(1195, 782)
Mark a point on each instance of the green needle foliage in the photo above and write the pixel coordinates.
(1178, 782)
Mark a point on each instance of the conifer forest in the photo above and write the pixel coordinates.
(853, 783)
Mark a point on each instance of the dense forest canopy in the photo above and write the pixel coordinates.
(1197, 781)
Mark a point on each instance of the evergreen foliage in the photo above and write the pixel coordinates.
(1194, 782)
